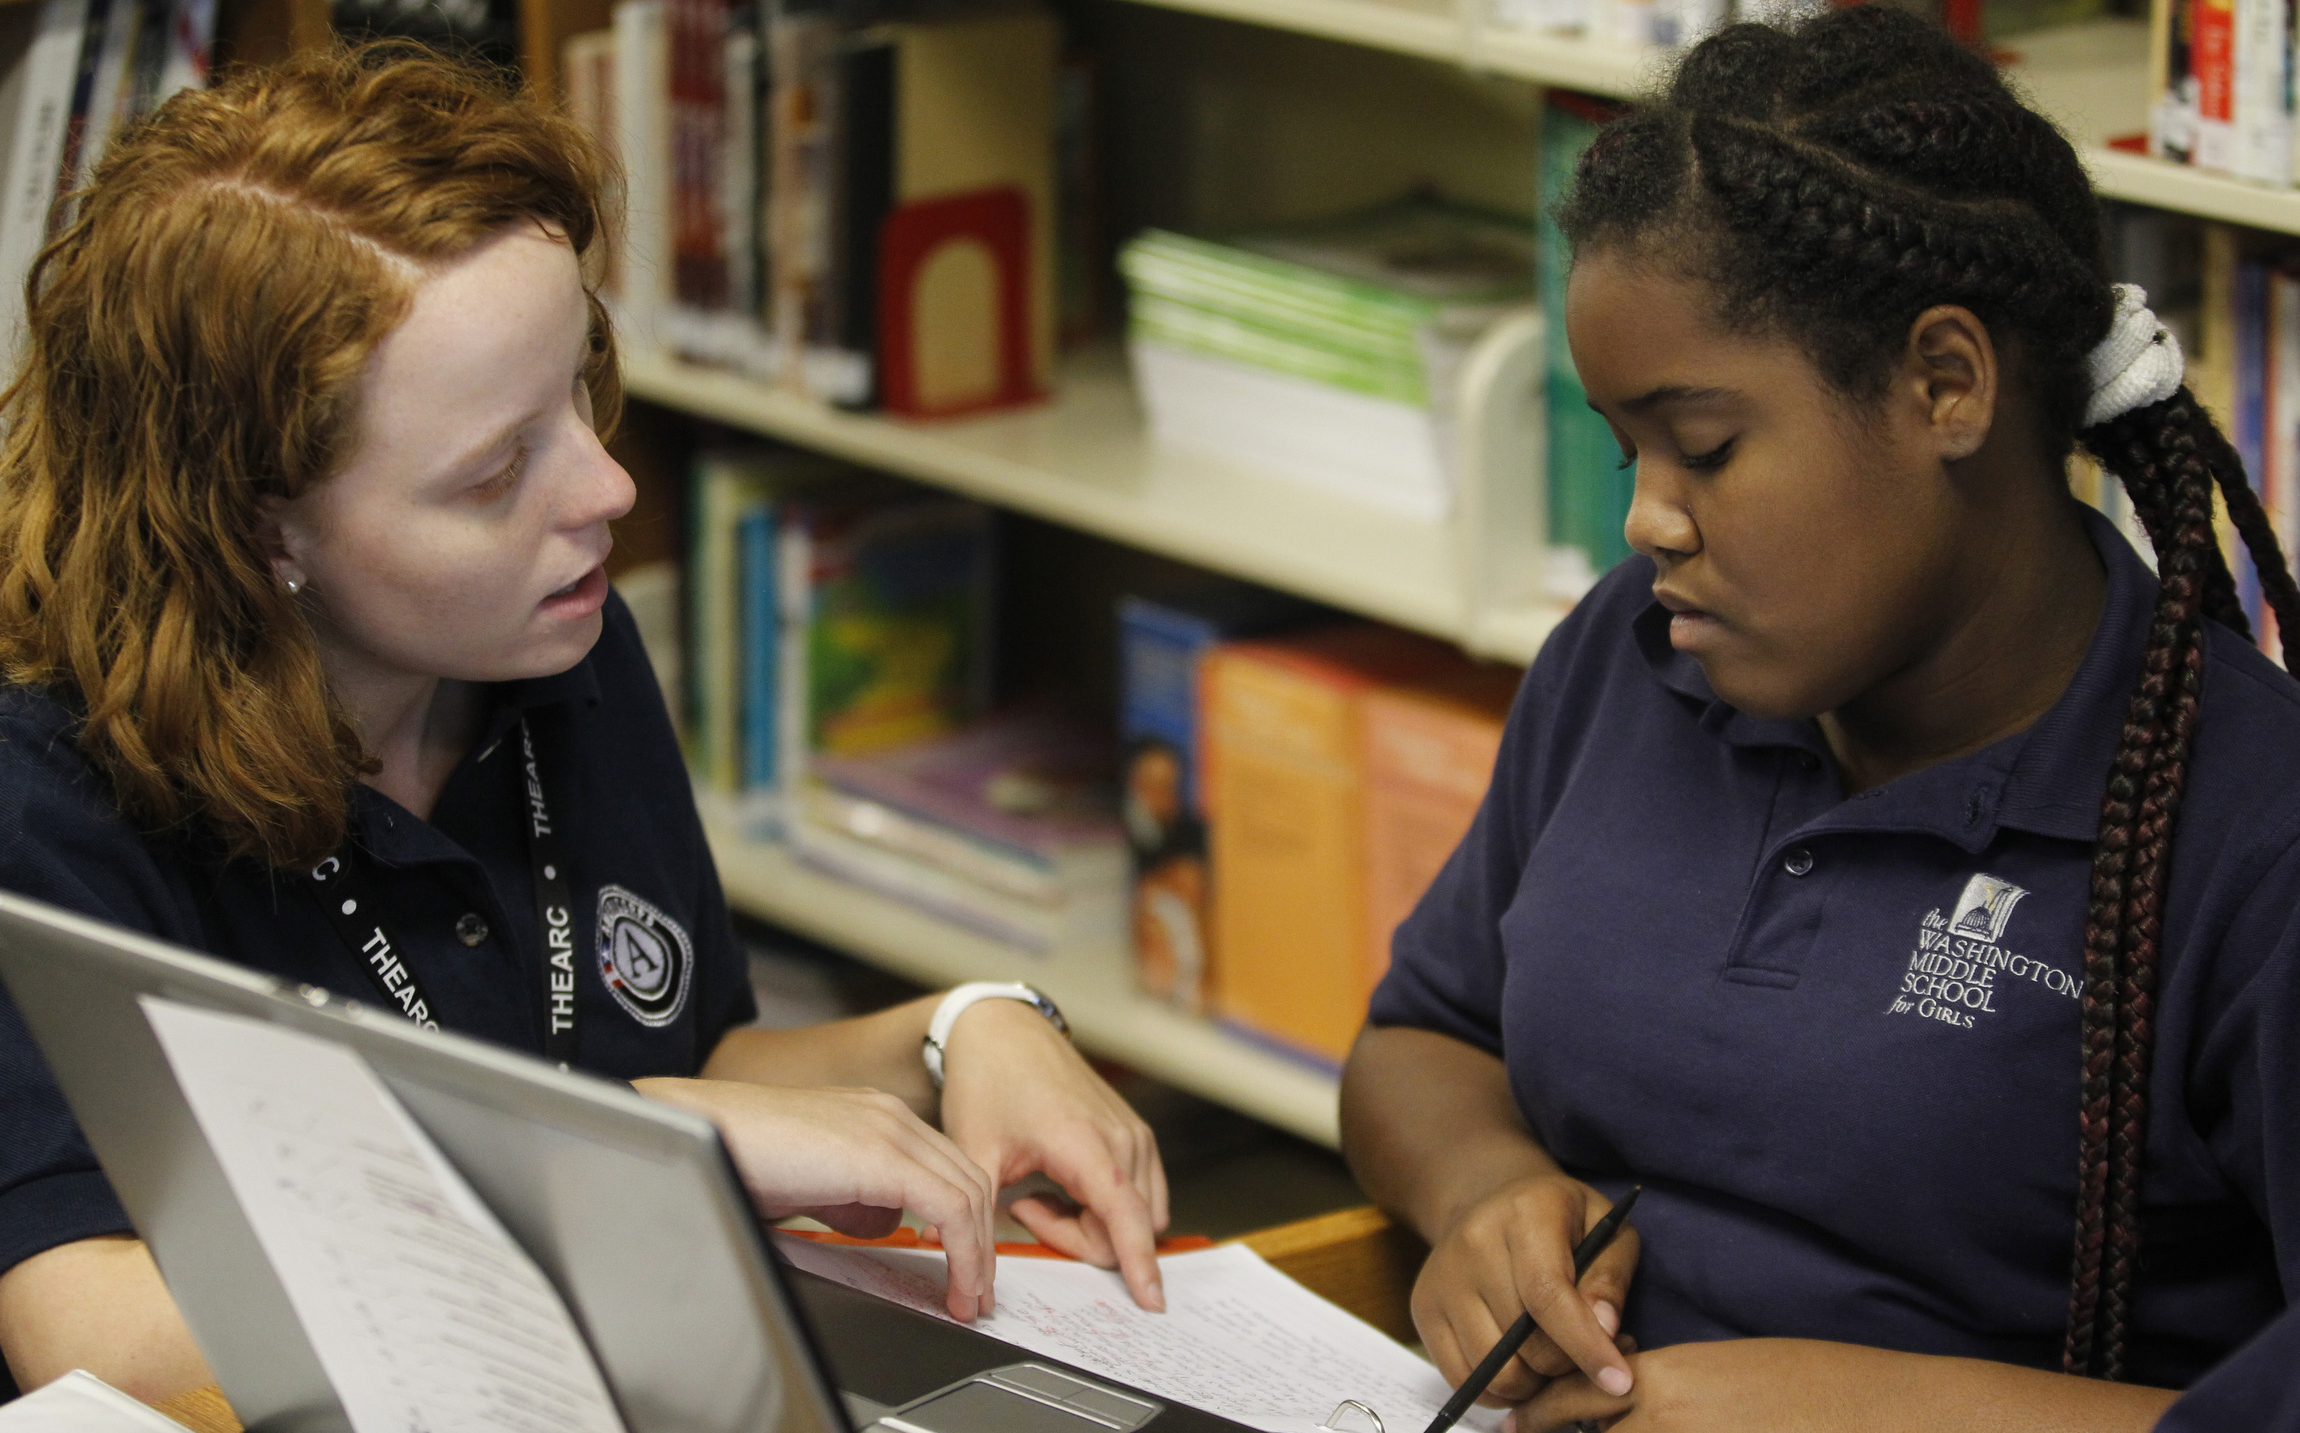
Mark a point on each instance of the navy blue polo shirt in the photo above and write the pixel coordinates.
(2256, 1391)
(1836, 1038)
(457, 893)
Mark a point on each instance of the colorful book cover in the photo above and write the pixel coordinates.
(886, 611)
(1161, 643)
(1007, 825)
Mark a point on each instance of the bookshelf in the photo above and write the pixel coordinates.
(1084, 460)
(1093, 987)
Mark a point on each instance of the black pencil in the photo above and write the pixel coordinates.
(1584, 1254)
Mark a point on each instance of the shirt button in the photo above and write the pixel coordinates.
(1798, 862)
(470, 929)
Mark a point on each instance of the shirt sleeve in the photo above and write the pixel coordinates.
(62, 842)
(2242, 1061)
(2257, 1389)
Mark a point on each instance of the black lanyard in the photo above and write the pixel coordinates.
(345, 894)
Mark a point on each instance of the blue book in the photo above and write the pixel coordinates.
(1160, 645)
(761, 628)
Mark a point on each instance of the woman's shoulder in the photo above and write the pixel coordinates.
(38, 753)
(63, 839)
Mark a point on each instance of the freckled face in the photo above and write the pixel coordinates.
(465, 535)
(1807, 551)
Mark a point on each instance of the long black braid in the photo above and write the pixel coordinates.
(1830, 184)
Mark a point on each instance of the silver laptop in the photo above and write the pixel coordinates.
(629, 1208)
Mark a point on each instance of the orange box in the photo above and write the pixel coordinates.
(1429, 751)
(1285, 795)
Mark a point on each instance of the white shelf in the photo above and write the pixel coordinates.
(1084, 460)
(1094, 988)
(2091, 78)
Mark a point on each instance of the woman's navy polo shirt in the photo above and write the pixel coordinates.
(457, 893)
(1836, 1039)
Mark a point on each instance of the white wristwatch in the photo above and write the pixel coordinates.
(955, 1004)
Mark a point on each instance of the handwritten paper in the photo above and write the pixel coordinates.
(422, 1310)
(1239, 1339)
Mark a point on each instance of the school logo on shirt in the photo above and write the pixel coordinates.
(644, 957)
(1960, 970)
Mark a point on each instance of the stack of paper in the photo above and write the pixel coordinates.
(1325, 351)
(1238, 1339)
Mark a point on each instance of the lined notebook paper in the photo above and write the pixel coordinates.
(1239, 1339)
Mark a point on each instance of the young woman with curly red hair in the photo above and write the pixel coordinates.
(303, 511)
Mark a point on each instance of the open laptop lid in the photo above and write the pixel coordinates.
(628, 1206)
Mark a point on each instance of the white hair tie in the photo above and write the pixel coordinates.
(2138, 363)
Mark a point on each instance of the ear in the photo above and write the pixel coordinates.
(279, 533)
(1951, 375)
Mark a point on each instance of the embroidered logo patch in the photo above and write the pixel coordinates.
(644, 957)
(1960, 968)
(1985, 907)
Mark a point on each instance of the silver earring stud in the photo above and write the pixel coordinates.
(294, 585)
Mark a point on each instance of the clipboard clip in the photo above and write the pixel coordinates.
(1333, 1423)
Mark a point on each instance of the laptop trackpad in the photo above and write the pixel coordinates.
(1023, 1398)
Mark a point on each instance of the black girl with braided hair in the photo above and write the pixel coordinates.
(1883, 868)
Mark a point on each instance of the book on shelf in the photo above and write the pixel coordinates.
(782, 176)
(734, 607)
(1285, 788)
(1161, 643)
(1429, 751)
(828, 609)
(1007, 827)
(1588, 490)
(2222, 93)
(885, 594)
(74, 73)
(1325, 352)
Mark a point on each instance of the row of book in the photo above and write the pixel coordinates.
(862, 210)
(1292, 786)
(76, 72)
(838, 687)
(1674, 23)
(2233, 299)
(2221, 97)
(1325, 352)
(1281, 787)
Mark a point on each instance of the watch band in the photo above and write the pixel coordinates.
(955, 1004)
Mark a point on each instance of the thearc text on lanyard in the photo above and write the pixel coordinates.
(345, 894)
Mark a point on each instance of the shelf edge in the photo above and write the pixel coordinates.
(1107, 1018)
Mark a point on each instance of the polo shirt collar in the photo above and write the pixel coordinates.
(396, 838)
(2057, 785)
(514, 700)
(2048, 780)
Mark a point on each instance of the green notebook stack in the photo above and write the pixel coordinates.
(1325, 351)
(1589, 490)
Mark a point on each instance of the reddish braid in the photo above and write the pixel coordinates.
(1832, 183)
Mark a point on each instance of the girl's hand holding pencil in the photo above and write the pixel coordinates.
(1513, 1253)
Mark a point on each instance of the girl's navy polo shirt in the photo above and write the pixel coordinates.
(2257, 1391)
(457, 894)
(1836, 1039)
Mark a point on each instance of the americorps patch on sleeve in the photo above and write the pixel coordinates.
(644, 957)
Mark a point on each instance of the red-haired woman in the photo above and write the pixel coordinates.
(302, 515)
